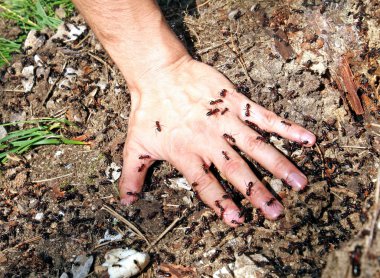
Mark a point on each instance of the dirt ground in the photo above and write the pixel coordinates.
(314, 62)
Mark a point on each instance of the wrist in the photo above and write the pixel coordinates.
(150, 46)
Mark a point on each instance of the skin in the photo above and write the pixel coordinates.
(169, 87)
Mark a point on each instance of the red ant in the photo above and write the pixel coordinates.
(213, 102)
(225, 155)
(247, 112)
(133, 194)
(271, 201)
(262, 139)
(233, 221)
(194, 184)
(158, 126)
(249, 188)
(224, 111)
(251, 125)
(222, 209)
(144, 156)
(286, 123)
(229, 137)
(223, 93)
(212, 112)
(141, 168)
(205, 168)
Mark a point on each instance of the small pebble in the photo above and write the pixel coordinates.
(234, 15)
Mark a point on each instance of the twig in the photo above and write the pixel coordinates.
(376, 125)
(207, 49)
(101, 61)
(343, 190)
(167, 230)
(126, 222)
(106, 243)
(80, 43)
(354, 147)
(240, 59)
(204, 3)
(13, 90)
(36, 238)
(51, 179)
(48, 95)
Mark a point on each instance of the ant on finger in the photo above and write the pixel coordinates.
(158, 126)
(224, 153)
(247, 111)
(212, 112)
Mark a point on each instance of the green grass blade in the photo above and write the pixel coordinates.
(21, 133)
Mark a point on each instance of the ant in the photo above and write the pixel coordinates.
(224, 111)
(213, 102)
(229, 137)
(286, 123)
(145, 156)
(133, 194)
(223, 93)
(226, 196)
(251, 125)
(247, 111)
(194, 184)
(212, 112)
(158, 126)
(225, 155)
(249, 188)
(205, 168)
(141, 168)
(355, 257)
(233, 221)
(271, 201)
(307, 118)
(218, 205)
(262, 139)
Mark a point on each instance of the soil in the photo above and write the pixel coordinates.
(293, 57)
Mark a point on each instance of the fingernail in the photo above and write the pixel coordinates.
(298, 181)
(233, 216)
(275, 210)
(308, 138)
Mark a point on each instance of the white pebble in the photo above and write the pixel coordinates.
(124, 263)
(39, 216)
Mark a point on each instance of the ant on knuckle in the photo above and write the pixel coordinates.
(254, 143)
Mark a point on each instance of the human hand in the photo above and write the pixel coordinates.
(172, 118)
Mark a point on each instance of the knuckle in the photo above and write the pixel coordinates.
(254, 144)
(280, 164)
(232, 167)
(270, 119)
(204, 182)
(257, 191)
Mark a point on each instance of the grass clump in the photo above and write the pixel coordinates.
(7, 48)
(28, 15)
(45, 132)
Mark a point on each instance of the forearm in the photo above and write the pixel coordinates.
(134, 33)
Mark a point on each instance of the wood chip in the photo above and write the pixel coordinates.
(281, 42)
(347, 84)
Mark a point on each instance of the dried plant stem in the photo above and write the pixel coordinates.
(126, 222)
